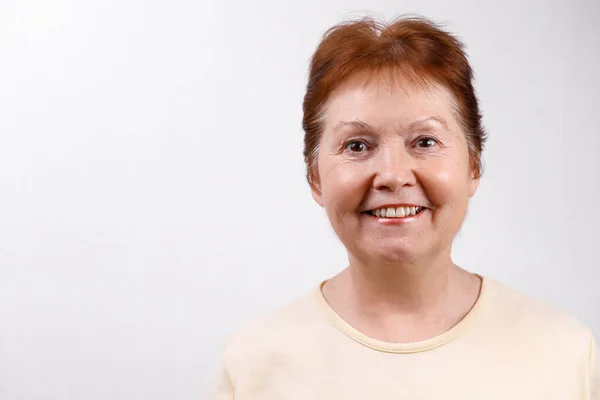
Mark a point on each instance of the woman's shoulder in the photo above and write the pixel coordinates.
(279, 328)
(533, 319)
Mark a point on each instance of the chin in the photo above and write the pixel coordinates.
(397, 257)
(394, 253)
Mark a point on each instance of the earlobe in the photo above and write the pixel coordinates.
(315, 188)
(473, 185)
(316, 193)
(317, 196)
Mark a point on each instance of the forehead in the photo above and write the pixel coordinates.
(383, 100)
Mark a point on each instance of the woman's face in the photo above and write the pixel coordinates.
(393, 170)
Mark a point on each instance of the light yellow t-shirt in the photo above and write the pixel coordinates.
(508, 347)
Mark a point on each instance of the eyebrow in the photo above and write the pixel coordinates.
(363, 126)
(441, 121)
(357, 124)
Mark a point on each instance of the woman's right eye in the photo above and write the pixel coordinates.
(356, 146)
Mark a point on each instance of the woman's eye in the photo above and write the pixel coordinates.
(426, 142)
(356, 146)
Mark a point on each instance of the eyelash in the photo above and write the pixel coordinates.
(423, 138)
(355, 141)
(367, 146)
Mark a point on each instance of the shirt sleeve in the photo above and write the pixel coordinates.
(595, 365)
(221, 387)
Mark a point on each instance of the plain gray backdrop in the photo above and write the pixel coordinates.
(152, 183)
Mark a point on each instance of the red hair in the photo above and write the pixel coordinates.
(417, 48)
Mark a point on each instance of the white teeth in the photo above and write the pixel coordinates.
(399, 212)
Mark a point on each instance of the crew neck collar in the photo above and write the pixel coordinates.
(409, 347)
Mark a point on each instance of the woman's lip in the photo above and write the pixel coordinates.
(396, 220)
(395, 206)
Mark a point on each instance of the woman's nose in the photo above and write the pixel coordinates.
(394, 168)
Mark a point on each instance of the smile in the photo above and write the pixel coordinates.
(396, 212)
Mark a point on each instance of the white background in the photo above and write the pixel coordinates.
(152, 193)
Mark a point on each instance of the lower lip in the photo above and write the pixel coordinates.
(397, 221)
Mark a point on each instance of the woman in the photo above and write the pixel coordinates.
(393, 143)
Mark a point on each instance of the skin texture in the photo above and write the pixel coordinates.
(385, 143)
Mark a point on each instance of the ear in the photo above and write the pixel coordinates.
(315, 188)
(473, 185)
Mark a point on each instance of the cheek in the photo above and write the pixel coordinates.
(446, 183)
(342, 183)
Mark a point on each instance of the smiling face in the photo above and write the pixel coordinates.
(393, 170)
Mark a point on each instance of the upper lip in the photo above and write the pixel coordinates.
(394, 206)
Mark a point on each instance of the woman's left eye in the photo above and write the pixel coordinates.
(356, 146)
(426, 142)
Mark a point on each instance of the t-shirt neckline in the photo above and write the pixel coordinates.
(409, 347)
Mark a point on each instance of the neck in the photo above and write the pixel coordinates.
(419, 288)
(403, 302)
